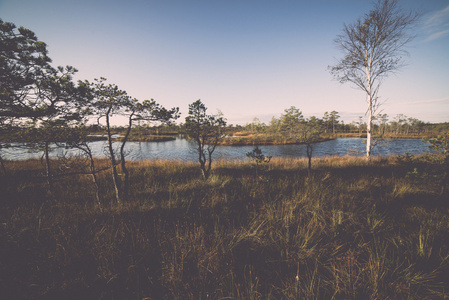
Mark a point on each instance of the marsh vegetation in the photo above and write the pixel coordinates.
(352, 229)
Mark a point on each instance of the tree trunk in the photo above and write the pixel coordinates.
(368, 134)
(123, 161)
(205, 173)
(309, 156)
(125, 179)
(370, 112)
(115, 178)
(209, 164)
(202, 160)
(48, 166)
(95, 181)
(93, 173)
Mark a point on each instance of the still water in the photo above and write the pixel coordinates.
(185, 150)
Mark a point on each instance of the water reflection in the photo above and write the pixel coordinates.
(185, 150)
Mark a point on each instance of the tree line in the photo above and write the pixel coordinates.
(382, 125)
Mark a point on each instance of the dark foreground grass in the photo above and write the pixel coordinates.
(352, 230)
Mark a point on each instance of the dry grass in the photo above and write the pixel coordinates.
(353, 229)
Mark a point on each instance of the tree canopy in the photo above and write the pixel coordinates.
(30, 88)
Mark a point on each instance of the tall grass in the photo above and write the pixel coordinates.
(353, 229)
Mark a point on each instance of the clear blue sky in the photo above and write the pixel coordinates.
(247, 58)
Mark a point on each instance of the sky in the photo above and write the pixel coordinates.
(246, 58)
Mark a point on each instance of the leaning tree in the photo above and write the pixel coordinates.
(373, 47)
(109, 101)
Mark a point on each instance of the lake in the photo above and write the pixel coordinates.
(185, 150)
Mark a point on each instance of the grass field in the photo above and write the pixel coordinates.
(353, 229)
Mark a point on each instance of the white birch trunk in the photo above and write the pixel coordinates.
(370, 110)
(368, 131)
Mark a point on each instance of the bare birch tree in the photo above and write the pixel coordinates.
(373, 47)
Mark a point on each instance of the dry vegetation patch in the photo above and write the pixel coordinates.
(351, 229)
